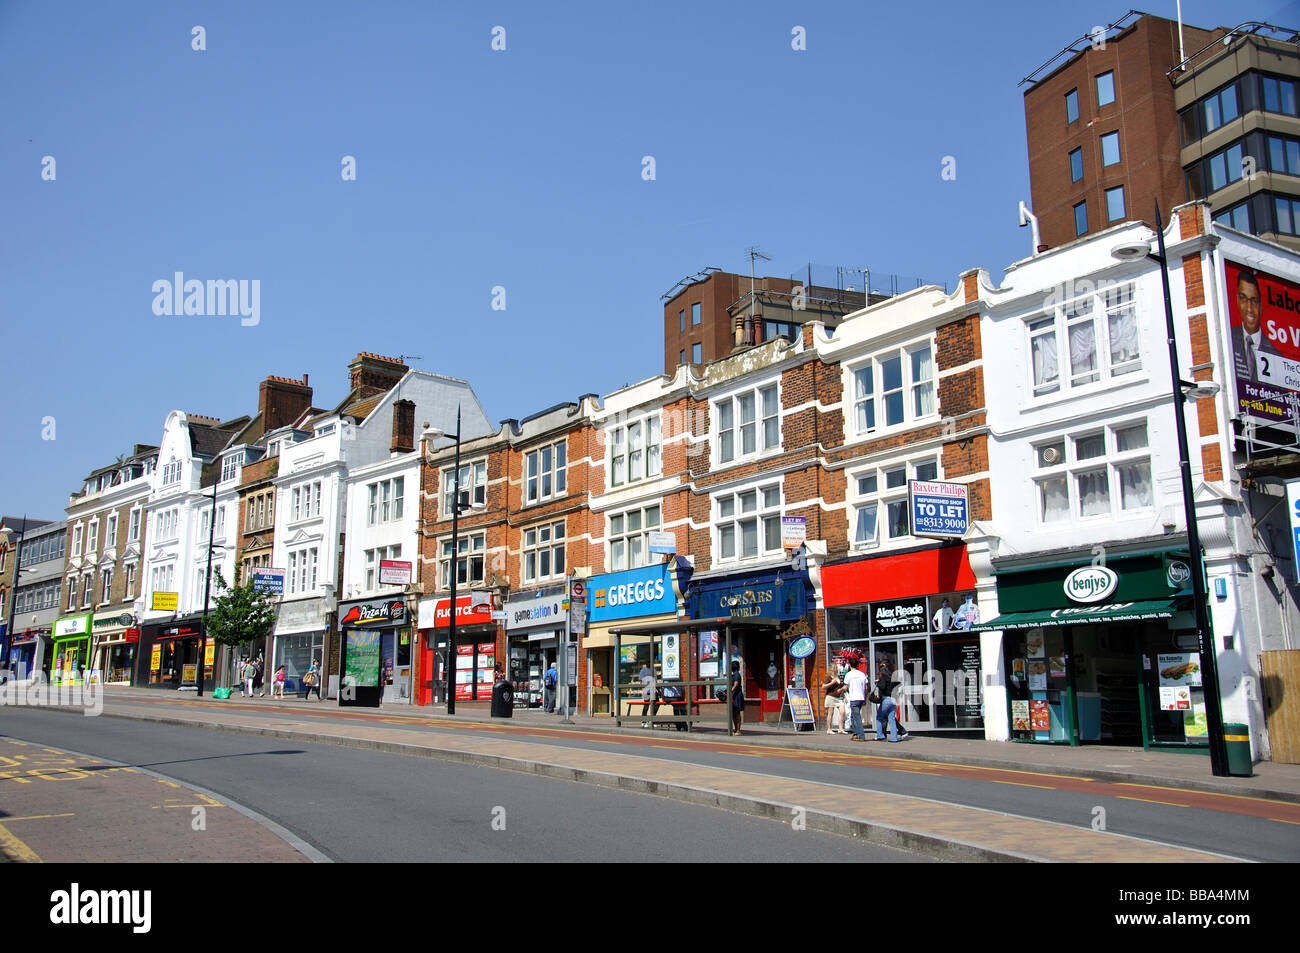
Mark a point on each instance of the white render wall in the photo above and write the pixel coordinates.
(361, 537)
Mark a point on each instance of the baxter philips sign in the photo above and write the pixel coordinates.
(1090, 583)
(626, 595)
(939, 509)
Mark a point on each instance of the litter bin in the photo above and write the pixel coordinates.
(1237, 740)
(503, 700)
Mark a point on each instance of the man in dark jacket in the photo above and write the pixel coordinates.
(887, 708)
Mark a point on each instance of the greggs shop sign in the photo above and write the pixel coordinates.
(629, 594)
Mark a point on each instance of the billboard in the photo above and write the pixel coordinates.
(1264, 328)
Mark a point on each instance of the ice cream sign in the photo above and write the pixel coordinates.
(1090, 584)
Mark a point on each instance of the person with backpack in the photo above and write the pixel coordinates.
(549, 680)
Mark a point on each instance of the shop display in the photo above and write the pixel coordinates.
(1020, 715)
(1040, 718)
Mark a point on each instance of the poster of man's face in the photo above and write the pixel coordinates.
(1264, 327)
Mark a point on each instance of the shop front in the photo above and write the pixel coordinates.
(1102, 653)
(71, 662)
(378, 651)
(650, 594)
(474, 654)
(29, 653)
(916, 613)
(535, 628)
(781, 596)
(115, 637)
(299, 640)
(170, 652)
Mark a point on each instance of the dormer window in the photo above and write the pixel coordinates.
(230, 467)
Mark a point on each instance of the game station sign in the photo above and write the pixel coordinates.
(1264, 321)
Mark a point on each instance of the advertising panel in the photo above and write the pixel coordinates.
(394, 572)
(362, 667)
(1264, 321)
(940, 510)
(269, 580)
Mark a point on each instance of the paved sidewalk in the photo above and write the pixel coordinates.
(1186, 770)
(61, 807)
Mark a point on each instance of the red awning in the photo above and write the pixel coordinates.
(907, 575)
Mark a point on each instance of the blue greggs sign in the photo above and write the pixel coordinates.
(635, 592)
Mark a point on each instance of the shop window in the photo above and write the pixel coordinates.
(748, 523)
(748, 424)
(1103, 474)
(634, 452)
(880, 506)
(629, 546)
(546, 473)
(543, 552)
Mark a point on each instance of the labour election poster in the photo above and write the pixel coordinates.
(1264, 321)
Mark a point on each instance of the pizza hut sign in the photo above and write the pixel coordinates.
(1091, 583)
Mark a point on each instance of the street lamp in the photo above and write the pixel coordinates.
(1182, 391)
(456, 509)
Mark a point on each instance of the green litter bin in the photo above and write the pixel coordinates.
(1237, 741)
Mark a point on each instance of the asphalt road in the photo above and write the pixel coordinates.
(358, 805)
(1123, 810)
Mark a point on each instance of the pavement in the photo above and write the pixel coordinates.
(943, 831)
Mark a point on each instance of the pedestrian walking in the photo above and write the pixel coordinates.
(648, 694)
(259, 666)
(737, 696)
(834, 690)
(311, 681)
(247, 671)
(887, 707)
(549, 680)
(856, 680)
(277, 683)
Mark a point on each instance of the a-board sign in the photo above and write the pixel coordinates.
(801, 709)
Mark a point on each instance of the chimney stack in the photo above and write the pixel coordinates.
(281, 401)
(372, 374)
(403, 426)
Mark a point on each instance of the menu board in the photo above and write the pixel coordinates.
(1179, 669)
(1176, 698)
(1020, 715)
(1040, 717)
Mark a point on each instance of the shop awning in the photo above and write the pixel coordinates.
(1081, 615)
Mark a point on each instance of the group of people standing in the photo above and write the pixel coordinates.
(847, 690)
(251, 683)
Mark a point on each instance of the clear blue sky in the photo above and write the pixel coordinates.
(475, 169)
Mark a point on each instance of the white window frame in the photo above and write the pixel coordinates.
(72, 592)
(473, 482)
(733, 510)
(732, 418)
(471, 561)
(870, 493)
(134, 524)
(230, 467)
(130, 582)
(540, 544)
(106, 585)
(87, 589)
(78, 533)
(92, 537)
(536, 476)
(1105, 310)
(866, 387)
(635, 451)
(628, 546)
(1108, 459)
(110, 531)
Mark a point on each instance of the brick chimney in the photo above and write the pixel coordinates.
(282, 400)
(403, 426)
(373, 374)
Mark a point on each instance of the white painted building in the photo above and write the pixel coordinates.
(1086, 477)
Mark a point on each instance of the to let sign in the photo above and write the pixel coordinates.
(939, 510)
